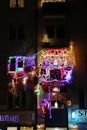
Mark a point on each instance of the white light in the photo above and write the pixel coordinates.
(73, 115)
(56, 89)
(56, 129)
(56, 105)
(24, 80)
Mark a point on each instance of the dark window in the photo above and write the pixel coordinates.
(81, 98)
(59, 118)
(20, 63)
(55, 31)
(60, 31)
(20, 32)
(12, 65)
(55, 74)
(50, 31)
(12, 33)
(16, 32)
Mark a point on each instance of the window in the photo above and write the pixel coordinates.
(12, 66)
(12, 33)
(16, 3)
(20, 32)
(60, 31)
(11, 128)
(50, 31)
(16, 32)
(26, 128)
(55, 31)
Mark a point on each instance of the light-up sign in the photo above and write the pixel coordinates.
(11, 118)
(77, 116)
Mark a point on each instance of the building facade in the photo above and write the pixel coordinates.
(58, 26)
(27, 28)
(18, 35)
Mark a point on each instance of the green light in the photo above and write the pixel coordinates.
(11, 57)
(38, 93)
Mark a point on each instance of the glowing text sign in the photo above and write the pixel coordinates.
(77, 116)
(12, 118)
(82, 115)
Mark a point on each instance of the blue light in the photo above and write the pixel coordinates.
(77, 116)
(13, 118)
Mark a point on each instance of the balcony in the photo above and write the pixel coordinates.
(55, 8)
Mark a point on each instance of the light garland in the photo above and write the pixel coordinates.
(18, 64)
(54, 70)
(46, 1)
(56, 66)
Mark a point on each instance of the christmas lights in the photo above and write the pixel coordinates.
(54, 70)
(44, 1)
(56, 66)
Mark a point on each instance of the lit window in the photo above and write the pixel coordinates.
(11, 128)
(26, 128)
(50, 31)
(16, 3)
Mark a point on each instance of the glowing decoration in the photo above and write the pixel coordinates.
(43, 111)
(56, 89)
(46, 1)
(18, 65)
(37, 90)
(50, 112)
(13, 87)
(24, 80)
(55, 69)
(45, 38)
(7, 118)
(21, 70)
(56, 66)
(56, 104)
